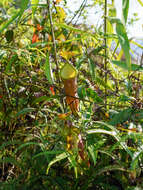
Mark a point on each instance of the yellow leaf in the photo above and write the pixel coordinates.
(58, 1)
(61, 13)
(61, 38)
(63, 116)
(68, 54)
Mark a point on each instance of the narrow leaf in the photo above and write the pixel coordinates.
(92, 68)
(110, 168)
(26, 144)
(9, 65)
(93, 153)
(34, 4)
(57, 159)
(136, 155)
(125, 9)
(6, 24)
(9, 160)
(140, 2)
(23, 6)
(48, 70)
(24, 111)
(122, 116)
(41, 99)
(47, 153)
(122, 64)
(123, 39)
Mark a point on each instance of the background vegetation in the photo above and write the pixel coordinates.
(44, 146)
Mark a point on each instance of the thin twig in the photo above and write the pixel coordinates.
(53, 39)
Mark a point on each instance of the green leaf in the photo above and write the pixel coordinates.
(41, 99)
(73, 162)
(140, 2)
(124, 98)
(110, 168)
(26, 144)
(93, 153)
(6, 24)
(48, 70)
(34, 4)
(134, 163)
(9, 160)
(123, 39)
(9, 143)
(122, 116)
(57, 159)
(23, 6)
(92, 68)
(123, 65)
(47, 153)
(125, 9)
(114, 132)
(109, 31)
(9, 65)
(9, 35)
(93, 95)
(24, 111)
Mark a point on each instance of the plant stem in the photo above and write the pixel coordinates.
(105, 50)
(53, 39)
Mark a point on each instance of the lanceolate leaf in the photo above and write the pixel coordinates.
(9, 65)
(140, 2)
(125, 8)
(122, 116)
(9, 160)
(24, 4)
(34, 4)
(123, 39)
(110, 168)
(113, 132)
(57, 159)
(136, 155)
(6, 24)
(122, 64)
(48, 70)
(92, 68)
(24, 111)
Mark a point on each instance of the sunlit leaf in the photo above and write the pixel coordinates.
(122, 116)
(48, 70)
(134, 163)
(34, 4)
(123, 39)
(6, 24)
(63, 116)
(140, 2)
(92, 68)
(61, 13)
(122, 64)
(23, 6)
(125, 9)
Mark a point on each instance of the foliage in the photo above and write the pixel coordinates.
(42, 144)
